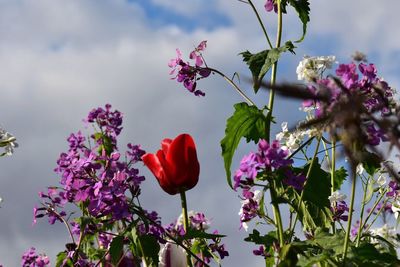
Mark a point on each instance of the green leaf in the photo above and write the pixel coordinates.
(150, 248)
(260, 63)
(302, 8)
(60, 260)
(368, 255)
(266, 240)
(247, 121)
(371, 162)
(314, 211)
(194, 233)
(340, 177)
(318, 186)
(116, 249)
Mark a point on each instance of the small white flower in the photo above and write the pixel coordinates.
(290, 141)
(311, 68)
(381, 180)
(396, 208)
(360, 169)
(1, 200)
(7, 141)
(385, 231)
(336, 197)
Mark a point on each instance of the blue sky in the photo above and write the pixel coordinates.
(61, 58)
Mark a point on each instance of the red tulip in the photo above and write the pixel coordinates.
(175, 165)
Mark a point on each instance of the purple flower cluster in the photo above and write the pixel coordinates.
(155, 229)
(394, 189)
(95, 175)
(338, 211)
(31, 259)
(250, 207)
(261, 252)
(198, 221)
(190, 74)
(269, 157)
(358, 80)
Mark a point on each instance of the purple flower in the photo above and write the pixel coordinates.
(294, 180)
(250, 207)
(272, 155)
(355, 228)
(249, 167)
(339, 209)
(31, 259)
(271, 5)
(187, 74)
(393, 189)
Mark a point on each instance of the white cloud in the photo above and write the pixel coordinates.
(58, 59)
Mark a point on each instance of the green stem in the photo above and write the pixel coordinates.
(277, 214)
(233, 84)
(353, 193)
(305, 183)
(261, 23)
(362, 213)
(275, 206)
(377, 214)
(185, 220)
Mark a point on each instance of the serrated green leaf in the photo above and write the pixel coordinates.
(116, 249)
(368, 255)
(248, 122)
(340, 177)
(302, 8)
(260, 63)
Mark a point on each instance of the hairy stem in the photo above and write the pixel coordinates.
(353, 193)
(185, 220)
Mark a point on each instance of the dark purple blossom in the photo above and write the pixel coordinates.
(339, 209)
(250, 207)
(294, 180)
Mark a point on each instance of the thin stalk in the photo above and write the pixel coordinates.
(373, 208)
(261, 23)
(376, 216)
(185, 221)
(353, 193)
(275, 65)
(233, 84)
(275, 206)
(362, 213)
(277, 215)
(305, 183)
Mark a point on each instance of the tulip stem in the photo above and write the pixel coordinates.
(185, 221)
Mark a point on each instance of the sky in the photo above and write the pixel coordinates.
(61, 58)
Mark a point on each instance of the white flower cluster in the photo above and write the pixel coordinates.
(290, 140)
(387, 232)
(311, 68)
(7, 141)
(336, 197)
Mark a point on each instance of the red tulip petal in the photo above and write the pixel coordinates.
(165, 145)
(152, 162)
(166, 181)
(182, 161)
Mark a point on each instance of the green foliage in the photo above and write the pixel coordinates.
(371, 162)
(145, 246)
(314, 210)
(261, 62)
(266, 240)
(340, 177)
(302, 8)
(247, 121)
(116, 249)
(61, 258)
(194, 233)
